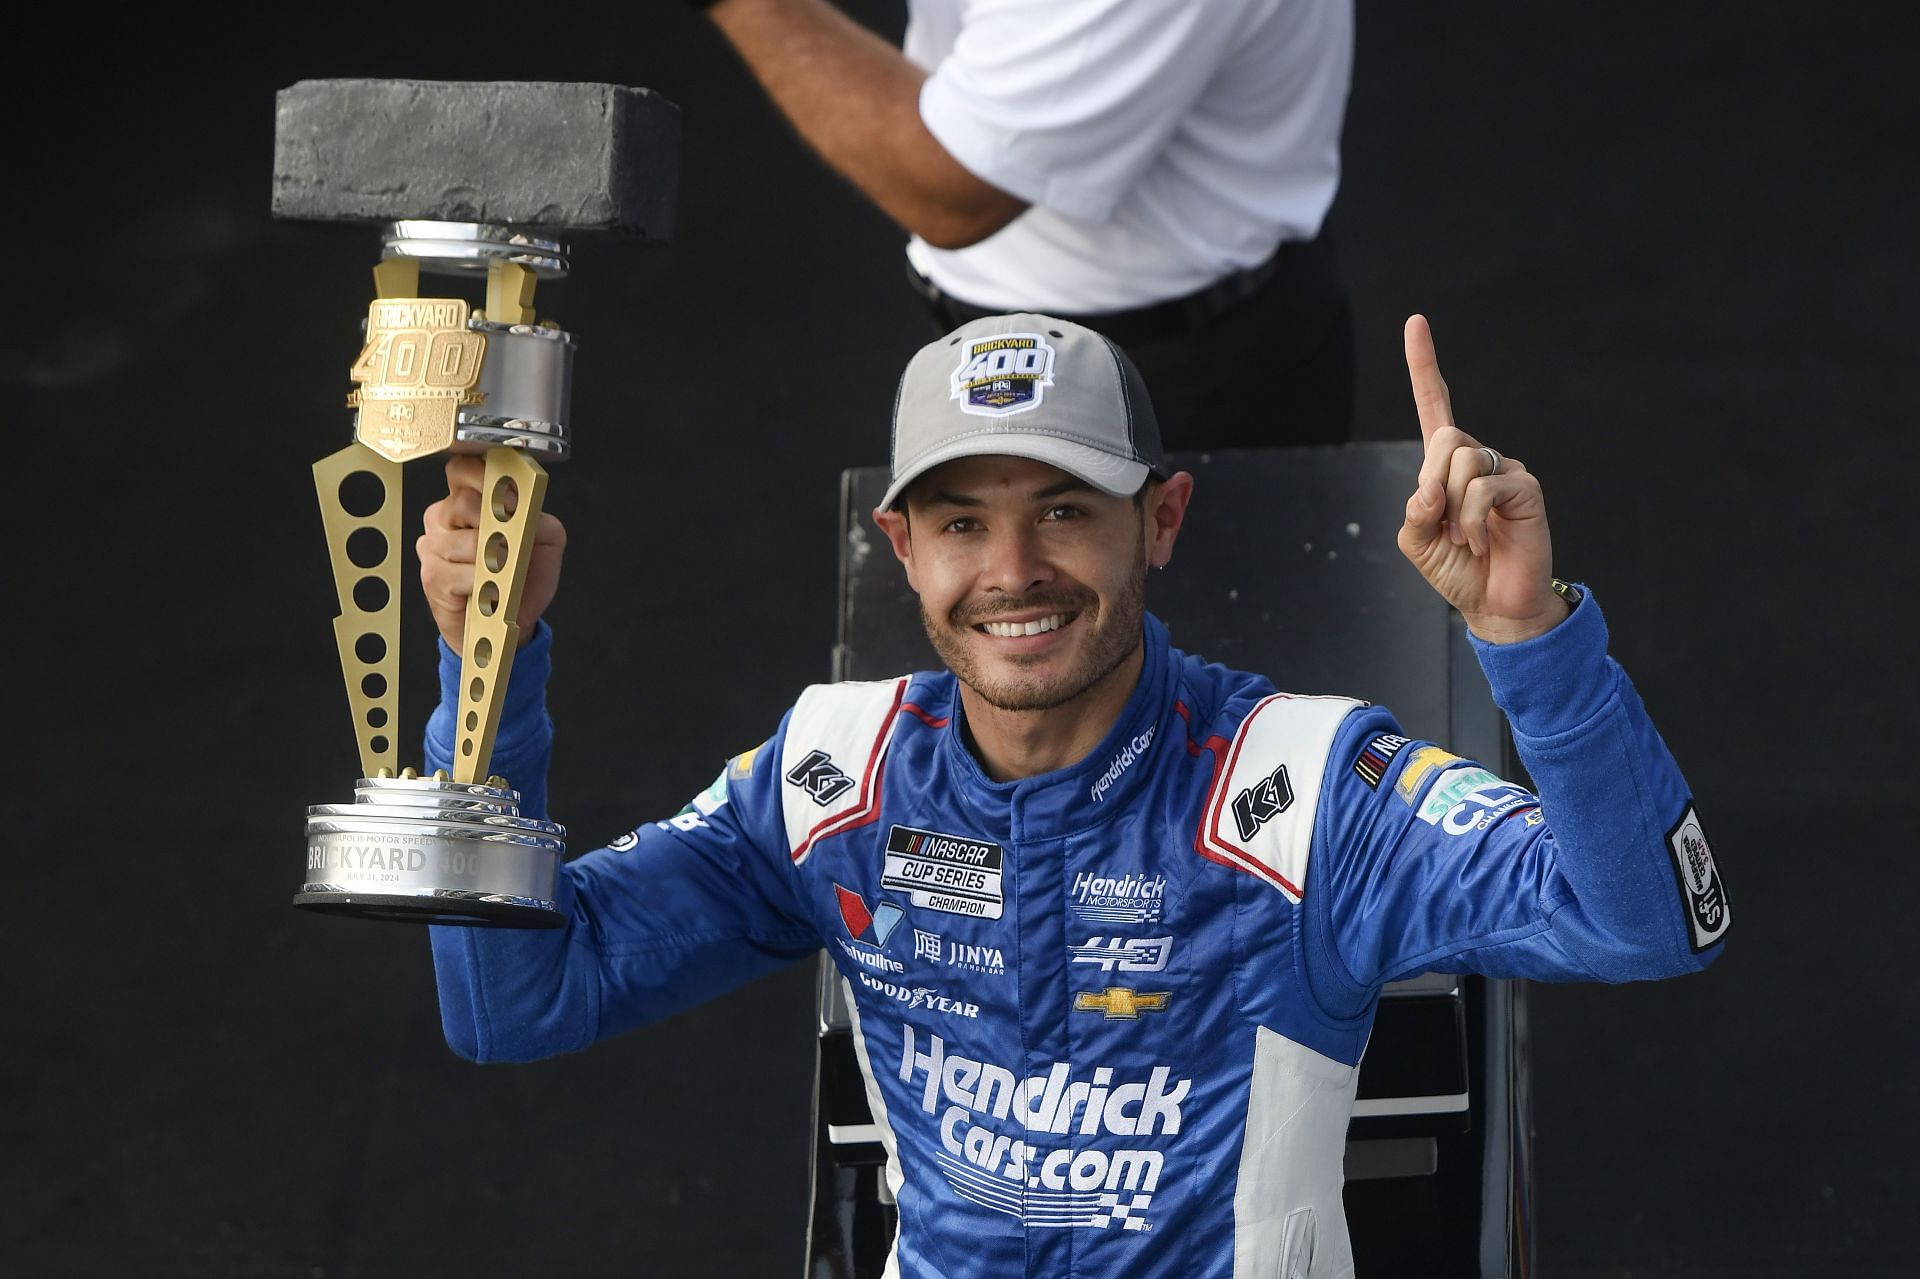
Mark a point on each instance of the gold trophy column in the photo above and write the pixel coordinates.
(510, 501)
(365, 550)
(511, 497)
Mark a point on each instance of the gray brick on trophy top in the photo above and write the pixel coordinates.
(577, 157)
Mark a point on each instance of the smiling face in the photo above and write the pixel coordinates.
(1032, 583)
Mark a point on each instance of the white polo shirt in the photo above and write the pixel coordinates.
(1162, 143)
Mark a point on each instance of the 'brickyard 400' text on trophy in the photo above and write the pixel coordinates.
(472, 180)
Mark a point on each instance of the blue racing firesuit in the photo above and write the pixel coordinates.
(1111, 1017)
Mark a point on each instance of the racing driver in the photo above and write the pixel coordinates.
(1113, 921)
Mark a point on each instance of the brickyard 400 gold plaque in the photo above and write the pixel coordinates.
(420, 364)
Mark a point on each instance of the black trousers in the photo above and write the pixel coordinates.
(1272, 367)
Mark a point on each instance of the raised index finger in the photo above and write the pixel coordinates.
(1423, 370)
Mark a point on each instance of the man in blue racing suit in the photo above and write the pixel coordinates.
(1113, 921)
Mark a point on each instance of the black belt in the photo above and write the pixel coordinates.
(1173, 318)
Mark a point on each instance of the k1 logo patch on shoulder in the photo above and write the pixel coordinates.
(1260, 803)
(1708, 916)
(1001, 374)
(820, 777)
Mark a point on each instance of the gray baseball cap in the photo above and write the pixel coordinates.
(1026, 386)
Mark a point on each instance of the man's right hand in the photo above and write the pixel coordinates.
(451, 543)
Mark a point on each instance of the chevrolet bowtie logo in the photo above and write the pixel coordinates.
(1121, 1004)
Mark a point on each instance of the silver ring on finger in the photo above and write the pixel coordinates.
(1493, 460)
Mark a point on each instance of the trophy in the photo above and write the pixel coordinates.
(475, 183)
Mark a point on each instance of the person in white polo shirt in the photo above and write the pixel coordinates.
(1157, 170)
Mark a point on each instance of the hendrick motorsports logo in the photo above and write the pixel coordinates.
(1123, 899)
(1002, 374)
(1044, 1184)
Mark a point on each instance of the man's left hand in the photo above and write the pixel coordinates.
(1476, 523)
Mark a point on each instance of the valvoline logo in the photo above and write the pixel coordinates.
(870, 926)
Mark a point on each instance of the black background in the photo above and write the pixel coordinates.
(1668, 254)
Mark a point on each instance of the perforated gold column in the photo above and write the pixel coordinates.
(510, 501)
(363, 542)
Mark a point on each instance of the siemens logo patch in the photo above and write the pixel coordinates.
(1484, 805)
(1453, 786)
(951, 873)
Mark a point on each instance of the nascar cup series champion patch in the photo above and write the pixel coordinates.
(1002, 373)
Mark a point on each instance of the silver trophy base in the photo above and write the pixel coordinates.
(428, 851)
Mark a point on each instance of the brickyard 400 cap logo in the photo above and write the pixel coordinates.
(1002, 373)
(1072, 1183)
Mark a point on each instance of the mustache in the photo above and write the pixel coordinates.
(991, 610)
